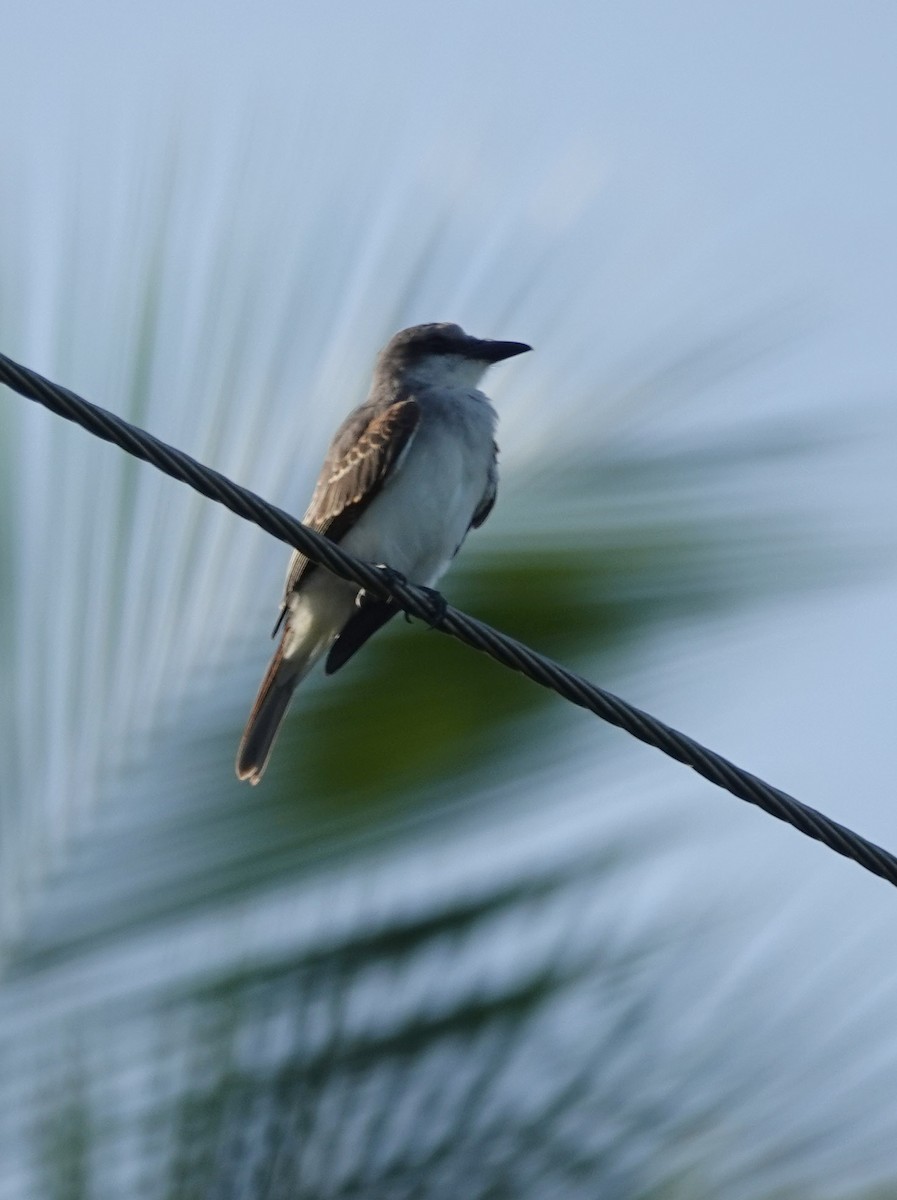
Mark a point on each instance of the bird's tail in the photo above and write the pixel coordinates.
(271, 703)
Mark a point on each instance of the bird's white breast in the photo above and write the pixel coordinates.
(423, 513)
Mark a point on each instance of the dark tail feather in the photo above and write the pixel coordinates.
(363, 623)
(268, 711)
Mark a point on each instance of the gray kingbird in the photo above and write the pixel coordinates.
(409, 473)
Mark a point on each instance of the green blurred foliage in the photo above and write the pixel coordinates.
(421, 708)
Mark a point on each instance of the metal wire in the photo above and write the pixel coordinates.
(420, 603)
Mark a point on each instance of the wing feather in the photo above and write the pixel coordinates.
(486, 505)
(361, 458)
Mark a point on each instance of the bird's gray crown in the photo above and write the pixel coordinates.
(442, 338)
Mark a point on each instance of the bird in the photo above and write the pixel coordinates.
(408, 474)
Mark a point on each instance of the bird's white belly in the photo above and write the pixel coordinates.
(422, 515)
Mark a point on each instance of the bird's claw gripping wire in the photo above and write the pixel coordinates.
(438, 605)
(391, 575)
(438, 602)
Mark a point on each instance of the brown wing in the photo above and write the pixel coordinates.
(361, 457)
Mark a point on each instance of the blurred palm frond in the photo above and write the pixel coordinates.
(377, 975)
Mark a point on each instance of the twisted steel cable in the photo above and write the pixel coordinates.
(420, 603)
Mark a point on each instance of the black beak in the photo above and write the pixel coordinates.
(493, 352)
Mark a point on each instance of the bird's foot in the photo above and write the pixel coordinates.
(438, 607)
(391, 575)
(438, 602)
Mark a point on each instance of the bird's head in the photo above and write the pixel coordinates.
(443, 355)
